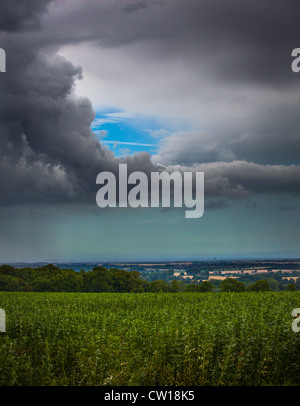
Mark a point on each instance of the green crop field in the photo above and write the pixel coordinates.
(149, 339)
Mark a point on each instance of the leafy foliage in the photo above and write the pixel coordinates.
(260, 286)
(50, 278)
(127, 339)
(232, 285)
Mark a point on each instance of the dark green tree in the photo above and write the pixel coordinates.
(159, 286)
(291, 287)
(175, 286)
(100, 280)
(41, 284)
(10, 283)
(124, 281)
(274, 284)
(192, 288)
(206, 287)
(203, 287)
(260, 286)
(232, 285)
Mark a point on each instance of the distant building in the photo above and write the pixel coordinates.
(220, 278)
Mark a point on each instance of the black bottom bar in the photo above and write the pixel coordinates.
(137, 394)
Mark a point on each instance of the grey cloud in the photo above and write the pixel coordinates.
(129, 8)
(22, 15)
(233, 40)
(240, 179)
(190, 147)
(273, 139)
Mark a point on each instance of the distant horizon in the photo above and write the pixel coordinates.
(157, 260)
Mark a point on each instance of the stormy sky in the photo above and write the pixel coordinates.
(193, 85)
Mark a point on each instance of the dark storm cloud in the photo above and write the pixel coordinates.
(48, 153)
(232, 40)
(21, 15)
(240, 179)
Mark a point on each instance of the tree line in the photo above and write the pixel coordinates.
(50, 278)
